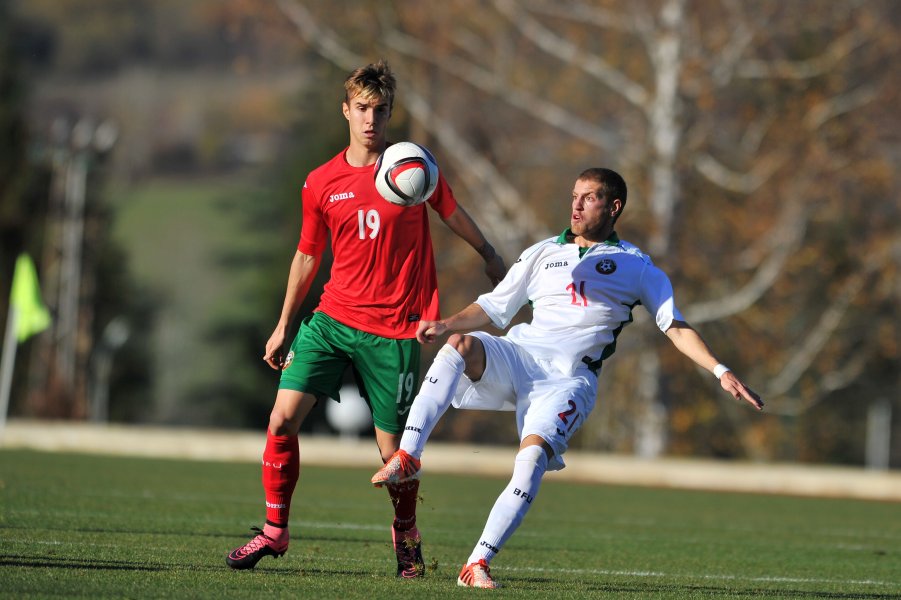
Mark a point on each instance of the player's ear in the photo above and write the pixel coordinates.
(345, 109)
(616, 207)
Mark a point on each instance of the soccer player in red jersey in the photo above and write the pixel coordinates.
(382, 283)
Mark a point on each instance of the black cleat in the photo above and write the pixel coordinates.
(408, 548)
(248, 555)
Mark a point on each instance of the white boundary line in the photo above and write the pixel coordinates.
(550, 570)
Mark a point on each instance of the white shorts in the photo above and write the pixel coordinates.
(547, 402)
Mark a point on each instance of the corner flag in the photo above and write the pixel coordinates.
(31, 315)
(27, 316)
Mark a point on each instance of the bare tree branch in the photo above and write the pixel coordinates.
(819, 335)
(830, 382)
(488, 82)
(325, 43)
(802, 360)
(581, 13)
(569, 53)
(725, 62)
(804, 69)
(754, 134)
(783, 244)
(743, 183)
(847, 374)
(829, 109)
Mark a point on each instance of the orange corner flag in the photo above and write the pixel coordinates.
(31, 315)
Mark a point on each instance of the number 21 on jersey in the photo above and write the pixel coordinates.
(578, 293)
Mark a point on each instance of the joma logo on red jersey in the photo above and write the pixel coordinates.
(341, 196)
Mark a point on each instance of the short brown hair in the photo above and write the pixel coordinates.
(375, 80)
(612, 184)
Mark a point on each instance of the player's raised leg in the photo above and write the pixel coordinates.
(280, 472)
(430, 404)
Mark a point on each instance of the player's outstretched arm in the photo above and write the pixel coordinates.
(462, 224)
(471, 317)
(690, 343)
(300, 277)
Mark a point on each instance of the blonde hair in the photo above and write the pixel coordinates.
(372, 81)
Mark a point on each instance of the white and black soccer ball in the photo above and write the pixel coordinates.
(406, 174)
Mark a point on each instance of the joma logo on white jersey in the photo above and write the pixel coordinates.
(553, 265)
(341, 196)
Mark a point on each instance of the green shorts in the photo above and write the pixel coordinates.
(386, 370)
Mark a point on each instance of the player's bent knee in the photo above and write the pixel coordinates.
(281, 424)
(289, 411)
(460, 342)
(470, 348)
(466, 345)
(535, 455)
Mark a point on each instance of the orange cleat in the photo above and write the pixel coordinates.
(477, 575)
(400, 467)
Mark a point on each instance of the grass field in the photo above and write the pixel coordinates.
(107, 527)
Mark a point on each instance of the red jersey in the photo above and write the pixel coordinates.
(383, 278)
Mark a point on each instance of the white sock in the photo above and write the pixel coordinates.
(513, 503)
(433, 399)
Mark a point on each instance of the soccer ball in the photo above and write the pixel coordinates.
(406, 174)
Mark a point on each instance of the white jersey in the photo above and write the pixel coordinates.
(579, 304)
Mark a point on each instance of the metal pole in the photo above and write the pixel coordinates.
(879, 434)
(10, 343)
(43, 368)
(74, 150)
(115, 334)
(70, 287)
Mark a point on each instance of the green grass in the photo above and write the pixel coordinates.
(106, 527)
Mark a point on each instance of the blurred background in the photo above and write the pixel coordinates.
(153, 154)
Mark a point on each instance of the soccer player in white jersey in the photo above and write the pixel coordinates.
(582, 286)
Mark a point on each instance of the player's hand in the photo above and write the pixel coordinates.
(740, 391)
(429, 331)
(273, 355)
(495, 269)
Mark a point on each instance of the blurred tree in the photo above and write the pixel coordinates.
(192, 93)
(87, 287)
(760, 143)
(23, 187)
(272, 231)
(27, 166)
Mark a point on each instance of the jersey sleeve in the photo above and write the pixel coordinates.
(443, 200)
(503, 302)
(657, 297)
(313, 230)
